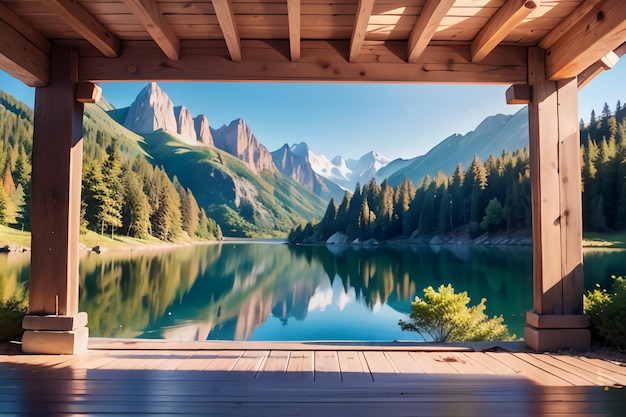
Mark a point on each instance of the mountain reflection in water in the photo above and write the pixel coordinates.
(261, 291)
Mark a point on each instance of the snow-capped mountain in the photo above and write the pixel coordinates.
(345, 173)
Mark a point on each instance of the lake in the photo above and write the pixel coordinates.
(271, 291)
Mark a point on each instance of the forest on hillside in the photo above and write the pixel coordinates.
(491, 196)
(121, 191)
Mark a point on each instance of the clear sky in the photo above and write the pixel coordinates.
(396, 120)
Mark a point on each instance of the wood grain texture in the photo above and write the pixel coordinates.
(362, 18)
(293, 13)
(21, 58)
(426, 26)
(226, 19)
(149, 15)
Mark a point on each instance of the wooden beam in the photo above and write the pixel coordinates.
(601, 30)
(511, 14)
(87, 92)
(56, 179)
(605, 63)
(321, 61)
(226, 19)
(24, 29)
(363, 13)
(518, 94)
(151, 18)
(293, 13)
(21, 58)
(567, 23)
(86, 25)
(426, 26)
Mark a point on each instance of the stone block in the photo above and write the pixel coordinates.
(56, 323)
(47, 342)
(553, 340)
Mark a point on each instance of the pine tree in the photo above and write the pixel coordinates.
(136, 209)
(111, 210)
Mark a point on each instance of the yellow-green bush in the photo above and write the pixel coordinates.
(445, 317)
(11, 314)
(608, 313)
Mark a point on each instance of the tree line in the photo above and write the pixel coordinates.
(121, 191)
(493, 196)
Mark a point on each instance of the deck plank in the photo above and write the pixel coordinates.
(274, 367)
(248, 364)
(590, 371)
(327, 367)
(527, 370)
(300, 367)
(433, 363)
(353, 366)
(536, 360)
(404, 363)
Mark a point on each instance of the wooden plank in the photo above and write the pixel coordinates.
(86, 25)
(300, 367)
(275, 366)
(353, 366)
(248, 365)
(149, 15)
(575, 367)
(226, 18)
(327, 367)
(603, 64)
(566, 24)
(537, 361)
(22, 59)
(592, 37)
(363, 13)
(293, 11)
(570, 193)
(467, 364)
(404, 363)
(490, 363)
(322, 61)
(26, 30)
(545, 188)
(500, 25)
(426, 26)
(220, 367)
(529, 371)
(433, 363)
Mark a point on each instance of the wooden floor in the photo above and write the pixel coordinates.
(321, 380)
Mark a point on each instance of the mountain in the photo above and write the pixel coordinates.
(294, 163)
(203, 130)
(153, 110)
(344, 173)
(238, 140)
(491, 137)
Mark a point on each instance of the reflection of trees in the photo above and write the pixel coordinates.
(14, 273)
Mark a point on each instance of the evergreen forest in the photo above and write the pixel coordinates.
(122, 192)
(491, 196)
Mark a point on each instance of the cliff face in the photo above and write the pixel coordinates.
(185, 125)
(203, 131)
(152, 110)
(238, 140)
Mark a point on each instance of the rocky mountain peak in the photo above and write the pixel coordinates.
(152, 110)
(238, 140)
(203, 131)
(185, 125)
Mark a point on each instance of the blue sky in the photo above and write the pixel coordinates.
(396, 120)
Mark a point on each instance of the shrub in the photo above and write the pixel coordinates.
(445, 317)
(608, 313)
(11, 314)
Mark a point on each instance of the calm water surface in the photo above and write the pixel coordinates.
(265, 291)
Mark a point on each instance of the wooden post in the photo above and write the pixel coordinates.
(556, 321)
(54, 324)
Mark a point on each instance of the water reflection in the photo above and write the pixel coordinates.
(266, 291)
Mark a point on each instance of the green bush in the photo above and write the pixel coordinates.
(608, 313)
(445, 317)
(11, 314)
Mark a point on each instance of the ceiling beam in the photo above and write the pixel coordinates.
(566, 24)
(426, 26)
(293, 13)
(226, 19)
(151, 18)
(511, 14)
(363, 13)
(321, 61)
(21, 58)
(602, 30)
(603, 64)
(25, 29)
(86, 25)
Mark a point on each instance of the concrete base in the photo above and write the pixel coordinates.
(551, 333)
(55, 335)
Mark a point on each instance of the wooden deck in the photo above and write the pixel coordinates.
(299, 379)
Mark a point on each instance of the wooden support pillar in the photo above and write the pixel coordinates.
(53, 324)
(556, 321)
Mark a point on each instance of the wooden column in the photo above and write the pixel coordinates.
(54, 324)
(556, 321)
